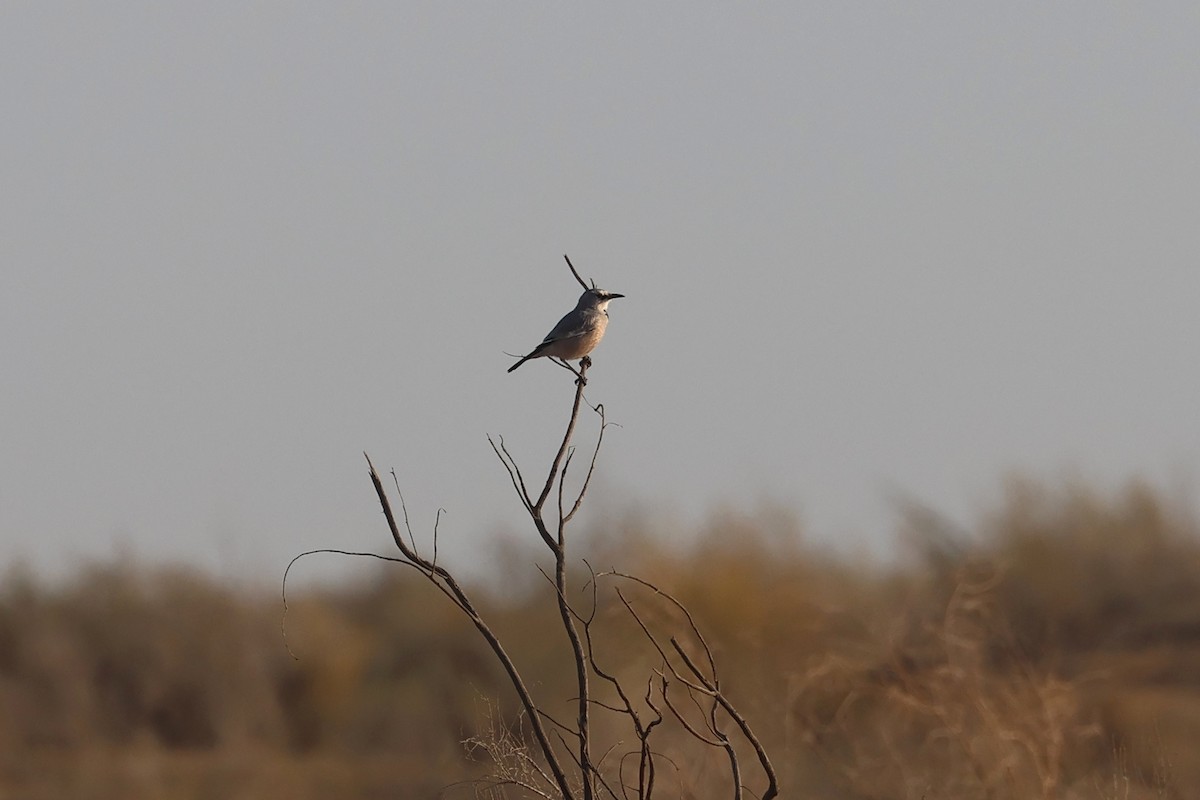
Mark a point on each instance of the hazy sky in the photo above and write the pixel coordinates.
(867, 248)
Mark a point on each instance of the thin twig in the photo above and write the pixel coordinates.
(437, 520)
(514, 472)
(562, 482)
(404, 510)
(599, 409)
(288, 569)
(576, 274)
(712, 666)
(654, 641)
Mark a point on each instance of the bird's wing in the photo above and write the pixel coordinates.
(570, 326)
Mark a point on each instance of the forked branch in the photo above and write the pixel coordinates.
(700, 683)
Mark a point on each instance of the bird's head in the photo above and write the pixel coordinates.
(596, 298)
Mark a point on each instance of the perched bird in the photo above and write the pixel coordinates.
(578, 333)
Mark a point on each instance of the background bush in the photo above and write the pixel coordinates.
(1052, 650)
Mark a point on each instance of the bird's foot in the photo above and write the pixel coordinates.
(584, 363)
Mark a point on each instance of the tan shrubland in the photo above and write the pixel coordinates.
(1053, 651)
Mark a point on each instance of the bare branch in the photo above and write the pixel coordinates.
(562, 449)
(576, 274)
(562, 482)
(514, 472)
(446, 582)
(680, 718)
(437, 520)
(682, 608)
(599, 409)
(654, 641)
(739, 720)
(595, 587)
(288, 569)
(707, 686)
(581, 669)
(557, 545)
(600, 776)
(561, 726)
(403, 509)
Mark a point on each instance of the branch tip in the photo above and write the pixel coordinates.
(576, 274)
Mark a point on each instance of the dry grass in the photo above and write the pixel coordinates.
(1053, 652)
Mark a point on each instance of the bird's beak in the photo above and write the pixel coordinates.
(612, 295)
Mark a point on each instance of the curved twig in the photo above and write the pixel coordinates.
(288, 569)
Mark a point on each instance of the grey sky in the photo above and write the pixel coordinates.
(865, 247)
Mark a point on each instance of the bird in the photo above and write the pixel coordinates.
(578, 333)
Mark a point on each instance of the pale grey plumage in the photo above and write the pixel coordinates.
(578, 333)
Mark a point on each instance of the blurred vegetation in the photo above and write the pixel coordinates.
(1051, 651)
